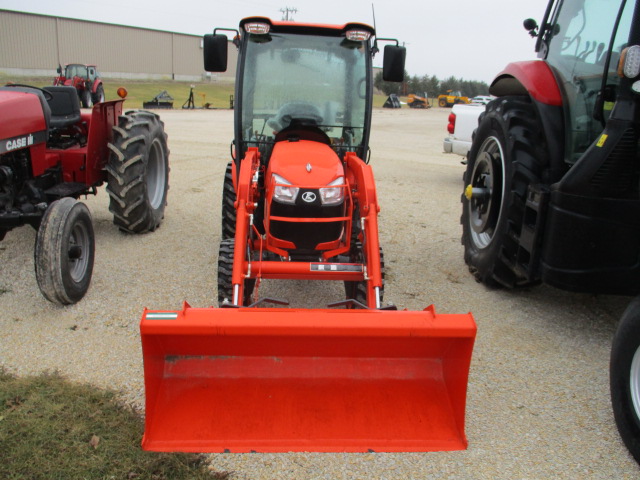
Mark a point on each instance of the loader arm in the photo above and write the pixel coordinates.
(365, 192)
(245, 205)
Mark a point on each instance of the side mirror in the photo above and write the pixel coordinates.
(215, 52)
(393, 63)
(59, 70)
(531, 26)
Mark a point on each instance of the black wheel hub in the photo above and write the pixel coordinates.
(485, 193)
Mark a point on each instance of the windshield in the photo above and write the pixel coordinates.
(75, 71)
(304, 79)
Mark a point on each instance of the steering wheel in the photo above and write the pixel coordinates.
(47, 95)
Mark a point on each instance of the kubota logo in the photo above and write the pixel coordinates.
(309, 197)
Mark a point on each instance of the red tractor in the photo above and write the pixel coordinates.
(85, 79)
(552, 187)
(51, 154)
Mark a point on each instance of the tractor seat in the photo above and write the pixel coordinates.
(65, 106)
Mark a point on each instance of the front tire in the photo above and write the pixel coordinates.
(64, 251)
(228, 201)
(507, 155)
(624, 378)
(138, 172)
(225, 271)
(358, 290)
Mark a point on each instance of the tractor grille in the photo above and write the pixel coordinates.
(306, 235)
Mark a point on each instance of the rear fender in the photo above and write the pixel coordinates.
(536, 80)
(100, 124)
(94, 86)
(533, 78)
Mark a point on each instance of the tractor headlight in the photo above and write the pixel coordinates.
(257, 28)
(284, 191)
(333, 193)
(356, 35)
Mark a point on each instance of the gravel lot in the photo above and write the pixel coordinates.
(538, 400)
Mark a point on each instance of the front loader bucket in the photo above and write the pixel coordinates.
(277, 380)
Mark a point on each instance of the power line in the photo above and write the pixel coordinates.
(285, 13)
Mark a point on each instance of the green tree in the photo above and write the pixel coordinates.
(386, 87)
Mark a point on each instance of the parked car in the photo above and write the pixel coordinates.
(463, 120)
(482, 99)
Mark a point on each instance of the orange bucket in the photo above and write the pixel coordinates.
(278, 380)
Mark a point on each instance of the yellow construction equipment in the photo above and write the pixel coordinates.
(451, 98)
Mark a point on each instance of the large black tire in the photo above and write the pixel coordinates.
(228, 199)
(86, 99)
(64, 251)
(138, 172)
(98, 97)
(507, 155)
(225, 271)
(624, 378)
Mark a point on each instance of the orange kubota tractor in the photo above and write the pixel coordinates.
(300, 202)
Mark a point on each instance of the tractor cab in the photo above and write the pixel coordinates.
(304, 85)
(304, 97)
(583, 43)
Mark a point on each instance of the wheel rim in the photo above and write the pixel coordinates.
(634, 382)
(485, 204)
(155, 174)
(78, 252)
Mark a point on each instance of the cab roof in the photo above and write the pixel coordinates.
(308, 28)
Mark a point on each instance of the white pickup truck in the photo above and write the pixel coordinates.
(463, 120)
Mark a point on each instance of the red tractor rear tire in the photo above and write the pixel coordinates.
(138, 172)
(98, 96)
(86, 99)
(507, 155)
(64, 251)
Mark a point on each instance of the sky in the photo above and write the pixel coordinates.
(468, 39)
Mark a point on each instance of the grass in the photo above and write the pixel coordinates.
(52, 429)
(139, 91)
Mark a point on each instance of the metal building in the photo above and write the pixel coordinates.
(35, 44)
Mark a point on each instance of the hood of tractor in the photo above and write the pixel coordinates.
(306, 192)
(25, 112)
(305, 163)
